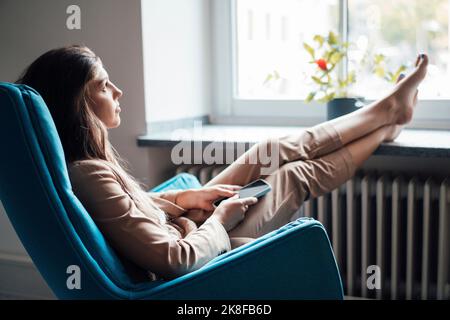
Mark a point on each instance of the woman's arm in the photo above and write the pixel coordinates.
(138, 235)
(204, 198)
(195, 204)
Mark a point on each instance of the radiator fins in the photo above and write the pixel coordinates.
(397, 222)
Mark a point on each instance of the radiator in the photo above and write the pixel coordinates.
(396, 222)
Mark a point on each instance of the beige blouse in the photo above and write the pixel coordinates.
(156, 236)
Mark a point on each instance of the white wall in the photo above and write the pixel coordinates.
(176, 37)
(112, 29)
(170, 48)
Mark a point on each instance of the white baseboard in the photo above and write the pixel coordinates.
(19, 278)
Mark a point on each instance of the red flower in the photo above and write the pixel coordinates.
(322, 64)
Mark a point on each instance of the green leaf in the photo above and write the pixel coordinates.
(332, 38)
(310, 50)
(378, 58)
(319, 39)
(276, 75)
(351, 77)
(310, 96)
(318, 81)
(379, 71)
(268, 79)
(336, 57)
(327, 55)
(330, 96)
(326, 96)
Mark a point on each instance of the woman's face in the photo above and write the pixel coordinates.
(104, 97)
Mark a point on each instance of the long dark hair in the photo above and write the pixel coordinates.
(61, 77)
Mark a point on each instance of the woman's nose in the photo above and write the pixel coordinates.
(117, 92)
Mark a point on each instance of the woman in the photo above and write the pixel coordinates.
(173, 233)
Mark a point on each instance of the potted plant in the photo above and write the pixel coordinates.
(330, 86)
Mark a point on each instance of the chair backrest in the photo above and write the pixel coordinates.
(36, 193)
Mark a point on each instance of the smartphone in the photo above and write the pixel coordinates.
(257, 188)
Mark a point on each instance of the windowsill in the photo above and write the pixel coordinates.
(410, 143)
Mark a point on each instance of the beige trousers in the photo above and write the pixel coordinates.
(310, 164)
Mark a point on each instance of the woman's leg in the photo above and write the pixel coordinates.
(396, 108)
(300, 180)
(265, 157)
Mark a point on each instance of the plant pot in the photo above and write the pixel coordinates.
(342, 106)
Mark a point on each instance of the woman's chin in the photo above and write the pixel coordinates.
(117, 123)
(114, 124)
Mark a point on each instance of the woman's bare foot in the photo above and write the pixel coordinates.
(393, 131)
(403, 99)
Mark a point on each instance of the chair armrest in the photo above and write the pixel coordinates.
(294, 262)
(180, 181)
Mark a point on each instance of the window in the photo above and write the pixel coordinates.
(270, 36)
(257, 40)
(398, 30)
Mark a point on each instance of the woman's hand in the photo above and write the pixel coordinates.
(232, 211)
(204, 198)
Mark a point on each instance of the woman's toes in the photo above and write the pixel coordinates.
(413, 80)
(419, 73)
(421, 66)
(403, 97)
(422, 59)
(400, 77)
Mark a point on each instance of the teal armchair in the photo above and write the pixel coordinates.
(293, 262)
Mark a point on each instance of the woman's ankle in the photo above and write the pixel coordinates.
(384, 111)
(392, 132)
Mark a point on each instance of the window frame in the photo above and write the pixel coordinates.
(227, 108)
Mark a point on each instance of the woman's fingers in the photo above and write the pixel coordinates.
(229, 187)
(243, 203)
(208, 207)
(225, 192)
(246, 202)
(249, 201)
